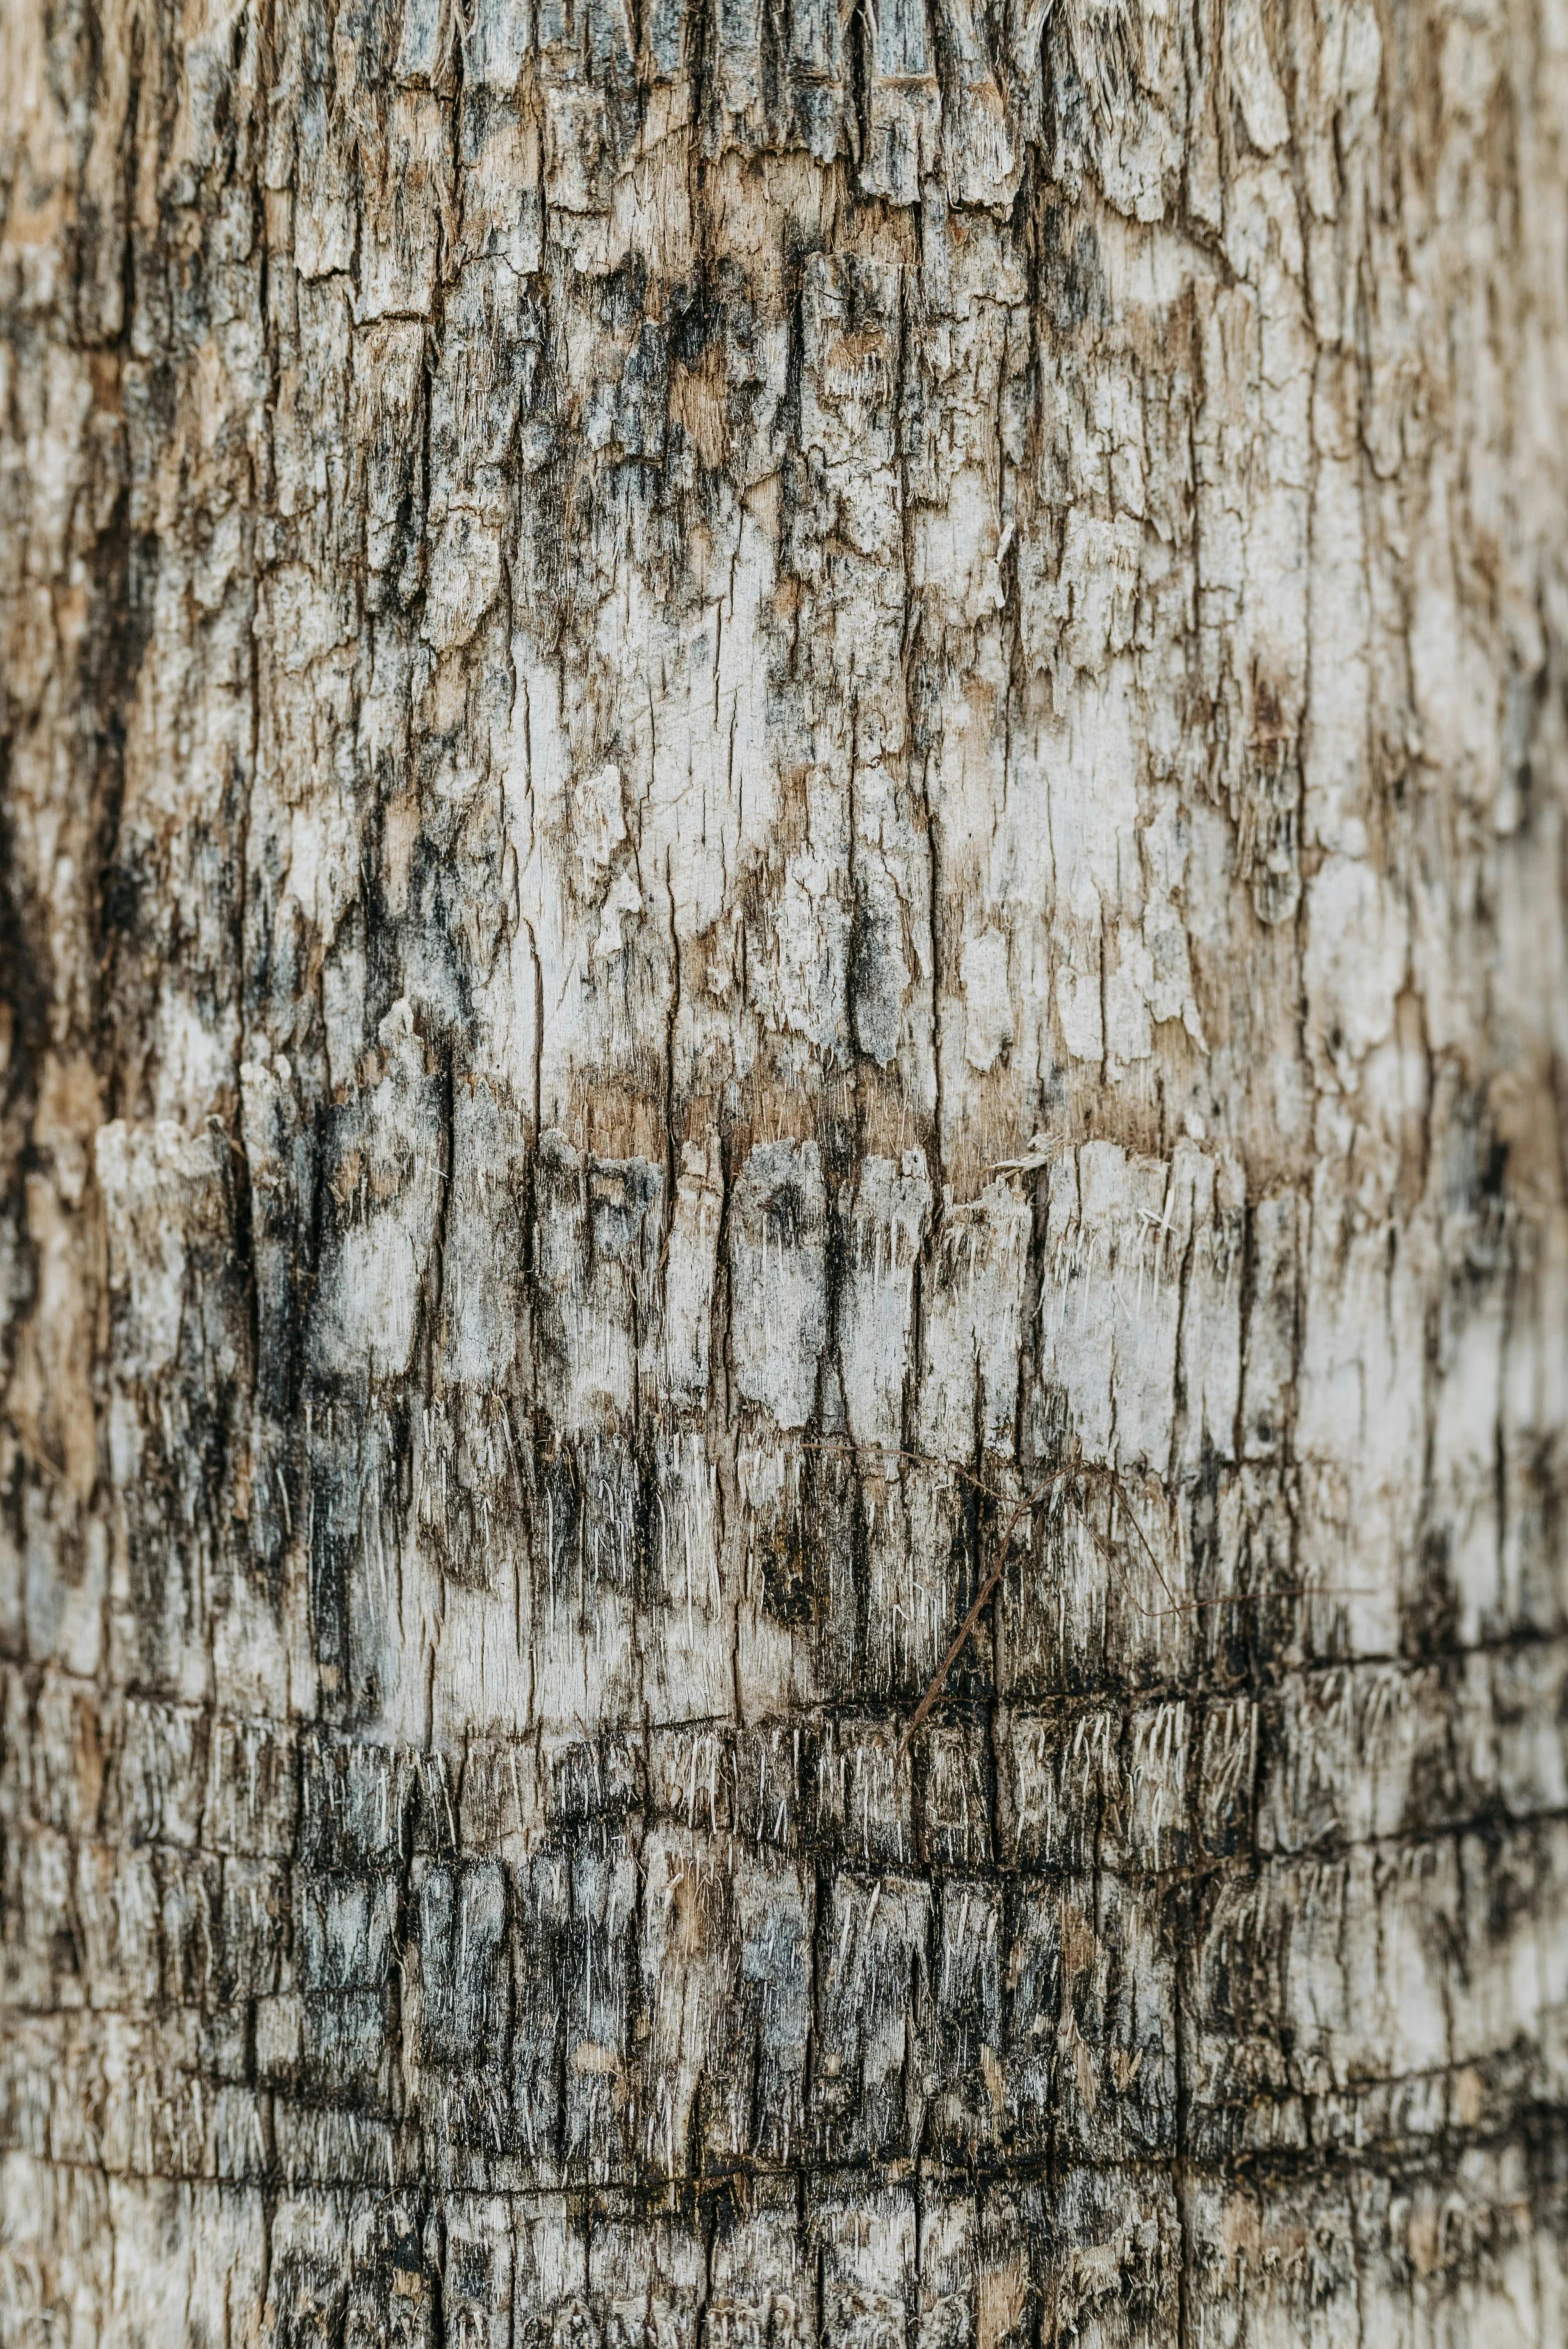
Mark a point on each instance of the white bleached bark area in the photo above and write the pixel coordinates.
(770, 772)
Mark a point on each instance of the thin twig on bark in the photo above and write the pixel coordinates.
(1071, 1472)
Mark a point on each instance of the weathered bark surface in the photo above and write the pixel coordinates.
(757, 760)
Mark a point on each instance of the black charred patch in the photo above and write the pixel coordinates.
(24, 956)
(1429, 1613)
(788, 1577)
(1071, 275)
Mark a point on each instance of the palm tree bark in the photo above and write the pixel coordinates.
(784, 841)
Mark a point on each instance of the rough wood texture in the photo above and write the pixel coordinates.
(762, 766)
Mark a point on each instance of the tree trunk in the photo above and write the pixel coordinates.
(784, 801)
